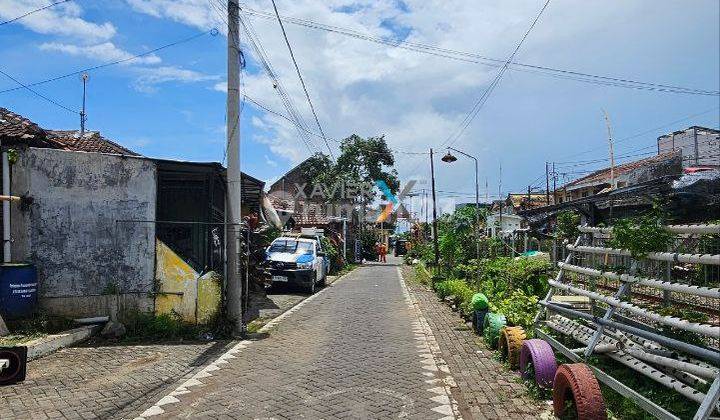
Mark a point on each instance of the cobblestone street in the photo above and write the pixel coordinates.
(368, 346)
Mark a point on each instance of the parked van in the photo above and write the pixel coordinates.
(299, 261)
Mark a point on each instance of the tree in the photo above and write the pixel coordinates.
(361, 161)
(367, 160)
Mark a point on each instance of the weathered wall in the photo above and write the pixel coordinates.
(182, 291)
(71, 233)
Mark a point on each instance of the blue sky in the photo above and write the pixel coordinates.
(172, 105)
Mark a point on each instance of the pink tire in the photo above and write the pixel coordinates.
(539, 354)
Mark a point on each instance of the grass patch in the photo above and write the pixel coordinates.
(24, 330)
(142, 326)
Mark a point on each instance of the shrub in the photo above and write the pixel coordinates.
(519, 309)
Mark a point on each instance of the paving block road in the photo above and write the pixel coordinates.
(365, 347)
(357, 350)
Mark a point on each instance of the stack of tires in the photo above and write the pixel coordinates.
(574, 387)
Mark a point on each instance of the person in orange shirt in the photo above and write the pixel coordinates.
(383, 252)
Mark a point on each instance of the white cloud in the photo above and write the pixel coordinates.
(270, 162)
(418, 100)
(106, 51)
(62, 20)
(150, 77)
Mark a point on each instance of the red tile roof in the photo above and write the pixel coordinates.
(91, 141)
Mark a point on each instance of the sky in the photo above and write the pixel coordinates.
(171, 103)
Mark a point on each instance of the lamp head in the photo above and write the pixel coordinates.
(449, 158)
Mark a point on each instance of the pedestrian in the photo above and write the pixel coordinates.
(377, 250)
(383, 252)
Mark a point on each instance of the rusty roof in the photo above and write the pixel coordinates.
(14, 128)
(90, 141)
(603, 175)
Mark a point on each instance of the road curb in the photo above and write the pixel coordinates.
(52, 343)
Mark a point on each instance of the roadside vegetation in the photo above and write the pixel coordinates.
(513, 285)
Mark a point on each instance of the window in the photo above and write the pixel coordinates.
(291, 246)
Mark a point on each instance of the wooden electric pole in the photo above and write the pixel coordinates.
(233, 216)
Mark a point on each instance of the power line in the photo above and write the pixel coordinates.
(488, 91)
(24, 86)
(642, 133)
(302, 81)
(469, 57)
(212, 32)
(266, 109)
(33, 11)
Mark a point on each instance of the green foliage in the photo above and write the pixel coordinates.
(625, 408)
(461, 292)
(519, 309)
(367, 160)
(641, 234)
(368, 239)
(567, 224)
(141, 325)
(333, 254)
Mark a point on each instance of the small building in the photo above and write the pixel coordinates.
(699, 146)
(503, 218)
(112, 232)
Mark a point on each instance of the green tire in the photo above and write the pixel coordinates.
(492, 325)
(479, 302)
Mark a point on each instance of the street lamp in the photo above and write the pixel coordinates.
(450, 158)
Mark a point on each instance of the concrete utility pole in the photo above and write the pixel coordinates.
(233, 216)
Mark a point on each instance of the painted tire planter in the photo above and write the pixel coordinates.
(492, 324)
(576, 382)
(478, 320)
(479, 302)
(510, 343)
(538, 354)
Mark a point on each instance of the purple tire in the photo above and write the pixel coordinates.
(538, 353)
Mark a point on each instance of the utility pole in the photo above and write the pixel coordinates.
(83, 114)
(435, 231)
(555, 200)
(233, 216)
(547, 184)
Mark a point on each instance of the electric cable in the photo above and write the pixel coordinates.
(33, 11)
(40, 95)
(488, 61)
(212, 32)
(302, 81)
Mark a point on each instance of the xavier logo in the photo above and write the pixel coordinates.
(394, 201)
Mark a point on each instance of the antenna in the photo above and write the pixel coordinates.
(612, 154)
(83, 115)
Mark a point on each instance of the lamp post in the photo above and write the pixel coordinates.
(449, 158)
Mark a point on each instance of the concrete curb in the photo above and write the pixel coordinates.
(46, 345)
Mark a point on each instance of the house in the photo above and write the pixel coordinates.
(111, 231)
(503, 218)
(623, 175)
(302, 203)
(699, 146)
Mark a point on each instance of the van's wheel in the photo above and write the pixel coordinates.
(323, 281)
(311, 287)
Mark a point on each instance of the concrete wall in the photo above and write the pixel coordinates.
(71, 233)
(182, 291)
